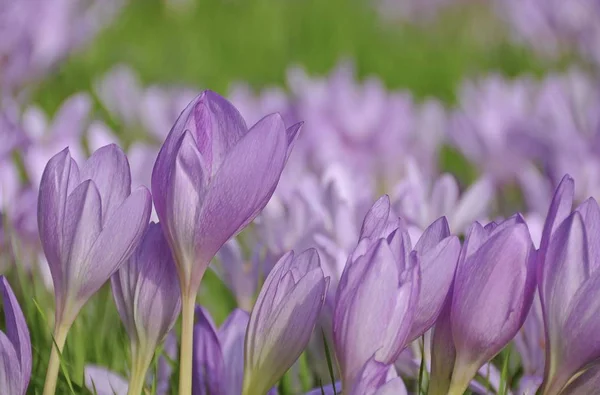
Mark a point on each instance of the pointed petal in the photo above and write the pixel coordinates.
(435, 233)
(109, 169)
(240, 189)
(117, 241)
(437, 273)
(493, 292)
(51, 210)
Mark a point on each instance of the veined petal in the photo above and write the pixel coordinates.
(17, 332)
(218, 128)
(117, 241)
(10, 372)
(566, 269)
(157, 297)
(186, 191)
(292, 135)
(579, 344)
(590, 213)
(208, 365)
(51, 210)
(81, 227)
(587, 383)
(434, 233)
(438, 266)
(109, 169)
(493, 292)
(240, 189)
(231, 336)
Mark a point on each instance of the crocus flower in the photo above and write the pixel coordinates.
(15, 345)
(283, 319)
(212, 177)
(219, 353)
(568, 285)
(376, 298)
(492, 294)
(89, 223)
(147, 295)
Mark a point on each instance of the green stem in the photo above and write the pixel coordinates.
(187, 337)
(60, 336)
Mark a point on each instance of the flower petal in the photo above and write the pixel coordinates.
(101, 381)
(109, 169)
(119, 237)
(240, 189)
(17, 331)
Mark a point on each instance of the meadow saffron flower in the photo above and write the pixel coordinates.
(212, 177)
(147, 295)
(90, 223)
(283, 319)
(376, 296)
(491, 297)
(568, 285)
(15, 345)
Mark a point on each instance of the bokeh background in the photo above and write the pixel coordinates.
(502, 94)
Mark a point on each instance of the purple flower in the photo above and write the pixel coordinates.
(492, 294)
(219, 354)
(89, 224)
(15, 345)
(376, 378)
(376, 297)
(147, 295)
(283, 319)
(488, 127)
(212, 177)
(568, 285)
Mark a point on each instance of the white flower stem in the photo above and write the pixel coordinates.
(60, 336)
(187, 337)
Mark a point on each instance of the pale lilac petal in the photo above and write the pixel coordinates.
(109, 169)
(117, 241)
(283, 319)
(241, 188)
(208, 365)
(493, 292)
(438, 265)
(586, 383)
(51, 211)
(434, 233)
(232, 335)
(185, 194)
(101, 381)
(10, 374)
(17, 332)
(473, 205)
